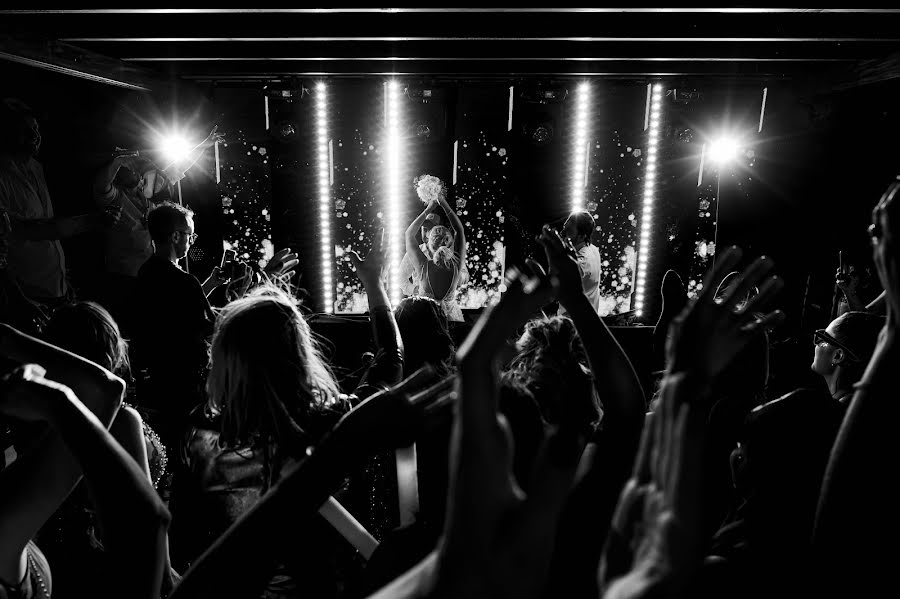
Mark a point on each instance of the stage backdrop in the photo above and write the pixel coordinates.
(514, 170)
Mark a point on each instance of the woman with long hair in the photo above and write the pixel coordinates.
(272, 396)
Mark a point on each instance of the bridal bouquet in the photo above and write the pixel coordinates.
(429, 188)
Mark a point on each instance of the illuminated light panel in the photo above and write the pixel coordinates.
(581, 153)
(762, 108)
(510, 115)
(395, 230)
(218, 164)
(654, 110)
(323, 155)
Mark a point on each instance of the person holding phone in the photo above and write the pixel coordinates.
(856, 287)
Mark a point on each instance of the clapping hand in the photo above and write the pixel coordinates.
(563, 264)
(709, 333)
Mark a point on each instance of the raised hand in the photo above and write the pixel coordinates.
(282, 264)
(563, 264)
(371, 270)
(214, 136)
(709, 333)
(497, 540)
(524, 296)
(655, 538)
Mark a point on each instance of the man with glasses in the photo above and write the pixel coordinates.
(843, 350)
(172, 323)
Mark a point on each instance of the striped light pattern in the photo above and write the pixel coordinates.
(325, 210)
(580, 153)
(644, 248)
(394, 233)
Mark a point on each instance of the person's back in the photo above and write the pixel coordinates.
(438, 281)
(578, 229)
(171, 322)
(270, 397)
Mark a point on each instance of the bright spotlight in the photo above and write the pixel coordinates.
(325, 210)
(175, 148)
(723, 150)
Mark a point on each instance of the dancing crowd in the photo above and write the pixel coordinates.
(156, 445)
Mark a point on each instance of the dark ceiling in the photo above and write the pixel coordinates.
(143, 48)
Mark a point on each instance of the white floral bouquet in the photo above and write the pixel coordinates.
(430, 188)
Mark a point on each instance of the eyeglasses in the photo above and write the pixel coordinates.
(820, 335)
(192, 237)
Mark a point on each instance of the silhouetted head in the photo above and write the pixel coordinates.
(88, 330)
(267, 379)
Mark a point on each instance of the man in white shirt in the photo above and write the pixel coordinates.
(36, 261)
(578, 229)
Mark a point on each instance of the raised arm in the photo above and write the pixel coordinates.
(105, 177)
(415, 254)
(617, 383)
(461, 246)
(387, 369)
(132, 516)
(667, 484)
(38, 482)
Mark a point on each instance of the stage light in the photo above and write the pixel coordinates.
(394, 232)
(654, 103)
(325, 209)
(581, 152)
(175, 148)
(723, 150)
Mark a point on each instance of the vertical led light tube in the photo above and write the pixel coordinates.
(324, 160)
(646, 223)
(394, 233)
(580, 150)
